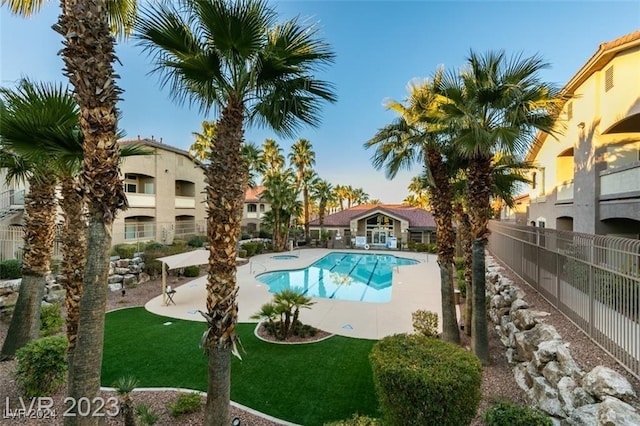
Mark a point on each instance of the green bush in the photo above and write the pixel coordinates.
(125, 251)
(41, 366)
(506, 413)
(264, 234)
(192, 271)
(242, 253)
(185, 404)
(462, 284)
(10, 269)
(154, 245)
(50, 320)
(253, 248)
(425, 323)
(245, 236)
(146, 414)
(197, 241)
(424, 381)
(356, 420)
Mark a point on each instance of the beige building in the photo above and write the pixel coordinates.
(588, 180)
(166, 196)
(253, 211)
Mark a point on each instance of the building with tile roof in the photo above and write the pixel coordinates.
(253, 210)
(588, 179)
(378, 224)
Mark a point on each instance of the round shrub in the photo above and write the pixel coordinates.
(357, 420)
(50, 320)
(185, 404)
(507, 413)
(41, 366)
(125, 251)
(10, 269)
(192, 271)
(424, 381)
(197, 241)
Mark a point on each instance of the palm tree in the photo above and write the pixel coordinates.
(494, 105)
(323, 193)
(280, 191)
(231, 55)
(341, 193)
(31, 113)
(88, 54)
(252, 155)
(272, 157)
(303, 158)
(204, 141)
(359, 196)
(417, 137)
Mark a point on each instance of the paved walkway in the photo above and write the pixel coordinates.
(414, 287)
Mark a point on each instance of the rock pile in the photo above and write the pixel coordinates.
(544, 368)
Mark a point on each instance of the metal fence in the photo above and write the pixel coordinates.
(592, 279)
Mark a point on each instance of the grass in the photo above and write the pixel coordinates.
(306, 384)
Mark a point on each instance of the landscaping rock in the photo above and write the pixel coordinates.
(613, 412)
(545, 397)
(518, 304)
(129, 280)
(526, 319)
(603, 381)
(9, 286)
(552, 372)
(123, 263)
(115, 279)
(526, 342)
(587, 415)
(115, 287)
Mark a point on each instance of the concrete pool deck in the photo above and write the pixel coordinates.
(414, 287)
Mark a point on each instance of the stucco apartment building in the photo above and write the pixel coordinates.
(255, 206)
(165, 191)
(588, 180)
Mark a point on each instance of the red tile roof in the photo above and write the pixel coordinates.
(252, 195)
(417, 217)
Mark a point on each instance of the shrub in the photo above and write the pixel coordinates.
(242, 253)
(357, 420)
(185, 404)
(245, 236)
(178, 246)
(425, 323)
(424, 381)
(197, 241)
(146, 414)
(50, 320)
(154, 245)
(10, 269)
(41, 366)
(192, 271)
(125, 251)
(252, 248)
(506, 413)
(264, 234)
(462, 284)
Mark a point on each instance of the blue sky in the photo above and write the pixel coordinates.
(380, 46)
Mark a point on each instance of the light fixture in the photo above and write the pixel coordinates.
(581, 125)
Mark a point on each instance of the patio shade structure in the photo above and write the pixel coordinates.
(181, 260)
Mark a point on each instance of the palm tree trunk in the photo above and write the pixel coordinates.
(443, 212)
(479, 190)
(39, 231)
(307, 216)
(74, 245)
(89, 53)
(464, 233)
(225, 198)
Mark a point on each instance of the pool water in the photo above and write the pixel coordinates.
(342, 276)
(284, 256)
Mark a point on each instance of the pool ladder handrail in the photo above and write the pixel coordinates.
(252, 272)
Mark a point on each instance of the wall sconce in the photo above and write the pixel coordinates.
(581, 125)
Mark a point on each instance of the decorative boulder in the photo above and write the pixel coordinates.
(545, 397)
(527, 341)
(587, 415)
(115, 287)
(526, 319)
(129, 280)
(613, 412)
(603, 381)
(115, 279)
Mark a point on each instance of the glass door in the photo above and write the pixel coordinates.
(379, 237)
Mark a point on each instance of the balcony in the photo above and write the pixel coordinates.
(141, 200)
(185, 202)
(564, 192)
(621, 182)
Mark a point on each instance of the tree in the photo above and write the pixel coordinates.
(204, 141)
(303, 158)
(324, 194)
(359, 196)
(493, 105)
(417, 137)
(418, 192)
(272, 158)
(341, 193)
(231, 56)
(280, 191)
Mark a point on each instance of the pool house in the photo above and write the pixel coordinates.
(389, 226)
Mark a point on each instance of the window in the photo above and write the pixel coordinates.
(534, 177)
(251, 208)
(262, 208)
(608, 79)
(130, 187)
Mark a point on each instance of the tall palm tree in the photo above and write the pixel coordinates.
(232, 56)
(272, 157)
(280, 191)
(341, 193)
(494, 104)
(416, 137)
(252, 155)
(359, 196)
(324, 194)
(302, 157)
(204, 141)
(88, 54)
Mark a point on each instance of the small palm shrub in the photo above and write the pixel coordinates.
(10, 269)
(506, 413)
(124, 386)
(185, 404)
(41, 366)
(425, 323)
(286, 307)
(423, 381)
(146, 414)
(50, 320)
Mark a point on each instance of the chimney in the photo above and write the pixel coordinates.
(138, 137)
(160, 140)
(152, 138)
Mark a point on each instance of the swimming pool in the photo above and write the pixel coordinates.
(343, 276)
(284, 256)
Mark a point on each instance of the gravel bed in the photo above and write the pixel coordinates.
(497, 379)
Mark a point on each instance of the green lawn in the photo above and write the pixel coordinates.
(306, 384)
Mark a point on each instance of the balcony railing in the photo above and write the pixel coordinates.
(620, 181)
(185, 202)
(141, 200)
(564, 191)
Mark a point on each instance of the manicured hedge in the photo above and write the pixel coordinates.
(425, 381)
(10, 269)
